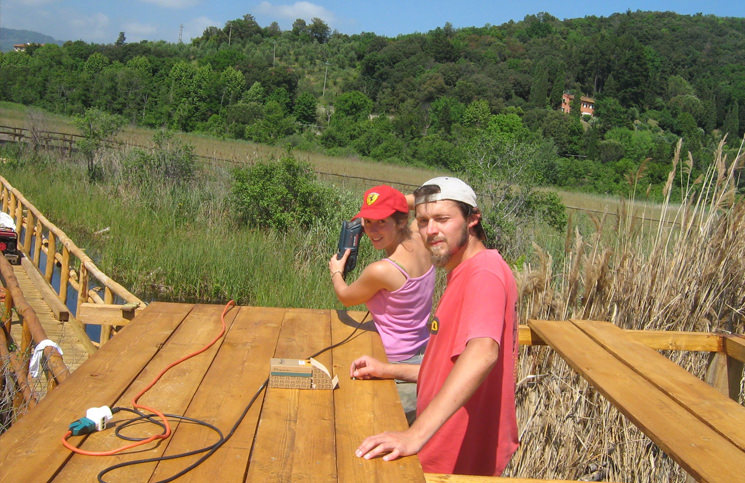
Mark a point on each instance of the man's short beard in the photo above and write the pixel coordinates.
(442, 259)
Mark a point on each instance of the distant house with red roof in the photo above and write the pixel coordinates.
(587, 104)
(22, 47)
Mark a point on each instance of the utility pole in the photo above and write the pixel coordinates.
(180, 32)
(230, 34)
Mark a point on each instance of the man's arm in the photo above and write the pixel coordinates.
(469, 371)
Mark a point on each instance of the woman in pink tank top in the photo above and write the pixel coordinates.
(396, 289)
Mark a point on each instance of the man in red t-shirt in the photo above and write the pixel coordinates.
(466, 383)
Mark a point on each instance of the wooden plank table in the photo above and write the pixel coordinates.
(700, 428)
(286, 435)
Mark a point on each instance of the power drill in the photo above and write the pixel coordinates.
(349, 238)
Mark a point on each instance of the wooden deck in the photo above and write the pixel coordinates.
(287, 435)
(301, 435)
(699, 427)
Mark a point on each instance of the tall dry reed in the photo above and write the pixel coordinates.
(686, 273)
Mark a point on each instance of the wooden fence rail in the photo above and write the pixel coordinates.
(38, 236)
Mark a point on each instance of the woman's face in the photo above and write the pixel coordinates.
(382, 233)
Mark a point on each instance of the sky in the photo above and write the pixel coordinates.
(100, 21)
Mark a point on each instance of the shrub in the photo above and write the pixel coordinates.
(281, 194)
(170, 161)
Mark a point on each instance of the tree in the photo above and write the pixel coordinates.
(354, 105)
(305, 108)
(319, 31)
(557, 88)
(731, 125)
(444, 112)
(255, 93)
(539, 87)
(242, 29)
(120, 40)
(678, 86)
(477, 114)
(95, 63)
(575, 106)
(232, 84)
(96, 127)
(300, 28)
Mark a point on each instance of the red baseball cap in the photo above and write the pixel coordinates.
(381, 202)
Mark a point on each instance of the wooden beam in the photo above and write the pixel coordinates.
(526, 336)
(107, 314)
(734, 346)
(724, 374)
(658, 340)
(677, 340)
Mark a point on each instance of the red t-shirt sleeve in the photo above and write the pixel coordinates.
(482, 312)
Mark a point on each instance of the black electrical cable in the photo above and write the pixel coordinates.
(211, 449)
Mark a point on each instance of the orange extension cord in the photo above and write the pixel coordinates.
(160, 415)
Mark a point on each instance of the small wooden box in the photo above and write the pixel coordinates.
(300, 374)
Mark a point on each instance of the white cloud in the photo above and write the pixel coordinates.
(135, 31)
(93, 28)
(173, 3)
(195, 28)
(304, 10)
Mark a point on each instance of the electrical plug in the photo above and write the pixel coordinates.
(99, 416)
(95, 420)
(82, 426)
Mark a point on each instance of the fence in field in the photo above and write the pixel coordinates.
(66, 143)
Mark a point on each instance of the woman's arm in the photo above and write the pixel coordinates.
(367, 367)
(375, 277)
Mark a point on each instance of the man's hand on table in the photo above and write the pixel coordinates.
(391, 445)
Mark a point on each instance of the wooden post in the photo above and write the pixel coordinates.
(51, 256)
(12, 209)
(37, 245)
(82, 288)
(19, 219)
(30, 225)
(7, 309)
(108, 298)
(64, 276)
(25, 336)
(724, 373)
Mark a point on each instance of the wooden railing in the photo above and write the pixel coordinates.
(37, 236)
(42, 139)
(32, 334)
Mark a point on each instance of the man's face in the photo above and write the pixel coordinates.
(443, 229)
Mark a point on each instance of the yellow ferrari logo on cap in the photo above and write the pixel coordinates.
(372, 197)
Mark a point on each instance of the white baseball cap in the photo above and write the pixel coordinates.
(450, 189)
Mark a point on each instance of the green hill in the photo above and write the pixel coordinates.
(10, 37)
(447, 98)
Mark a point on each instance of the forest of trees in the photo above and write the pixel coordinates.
(446, 98)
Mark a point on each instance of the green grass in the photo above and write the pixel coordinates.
(182, 245)
(230, 152)
(185, 247)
